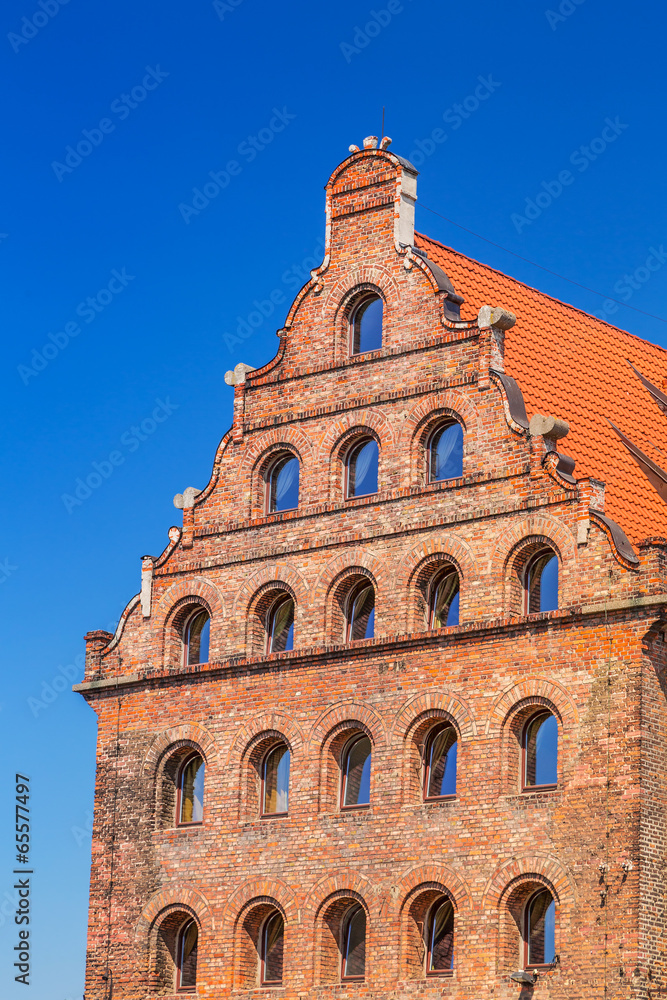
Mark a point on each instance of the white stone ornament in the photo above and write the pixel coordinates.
(237, 376)
(186, 498)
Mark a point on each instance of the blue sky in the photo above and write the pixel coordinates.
(119, 301)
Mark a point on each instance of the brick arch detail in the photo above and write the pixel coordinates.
(402, 889)
(268, 722)
(170, 898)
(271, 439)
(543, 691)
(535, 525)
(347, 559)
(194, 586)
(543, 865)
(374, 420)
(348, 711)
(442, 544)
(444, 701)
(338, 882)
(276, 572)
(459, 403)
(185, 732)
(367, 274)
(260, 889)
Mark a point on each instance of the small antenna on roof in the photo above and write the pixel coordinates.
(382, 129)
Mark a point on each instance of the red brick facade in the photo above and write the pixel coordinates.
(596, 840)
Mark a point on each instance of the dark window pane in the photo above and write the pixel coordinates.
(441, 938)
(357, 773)
(441, 763)
(367, 326)
(541, 749)
(542, 583)
(276, 780)
(541, 937)
(192, 791)
(354, 945)
(198, 631)
(284, 485)
(447, 453)
(281, 626)
(361, 623)
(187, 957)
(445, 601)
(272, 949)
(362, 469)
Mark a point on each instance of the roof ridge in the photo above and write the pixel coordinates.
(568, 305)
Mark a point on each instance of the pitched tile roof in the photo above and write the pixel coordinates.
(570, 364)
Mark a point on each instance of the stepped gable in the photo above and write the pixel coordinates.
(571, 363)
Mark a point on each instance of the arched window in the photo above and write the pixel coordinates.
(356, 773)
(362, 468)
(282, 484)
(440, 938)
(186, 957)
(353, 944)
(280, 626)
(190, 803)
(366, 325)
(275, 781)
(440, 763)
(540, 929)
(540, 751)
(445, 453)
(360, 618)
(444, 600)
(196, 637)
(272, 936)
(541, 582)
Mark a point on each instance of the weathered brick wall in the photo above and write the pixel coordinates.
(493, 844)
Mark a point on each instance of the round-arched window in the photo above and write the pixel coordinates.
(271, 949)
(356, 773)
(540, 929)
(360, 623)
(190, 804)
(282, 484)
(280, 626)
(540, 751)
(275, 781)
(444, 600)
(541, 582)
(440, 938)
(362, 468)
(440, 763)
(353, 944)
(366, 325)
(186, 957)
(196, 637)
(445, 453)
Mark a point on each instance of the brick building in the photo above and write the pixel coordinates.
(387, 717)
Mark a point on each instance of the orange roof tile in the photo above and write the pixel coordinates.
(570, 364)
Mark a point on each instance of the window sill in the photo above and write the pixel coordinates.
(438, 800)
(531, 789)
(270, 816)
